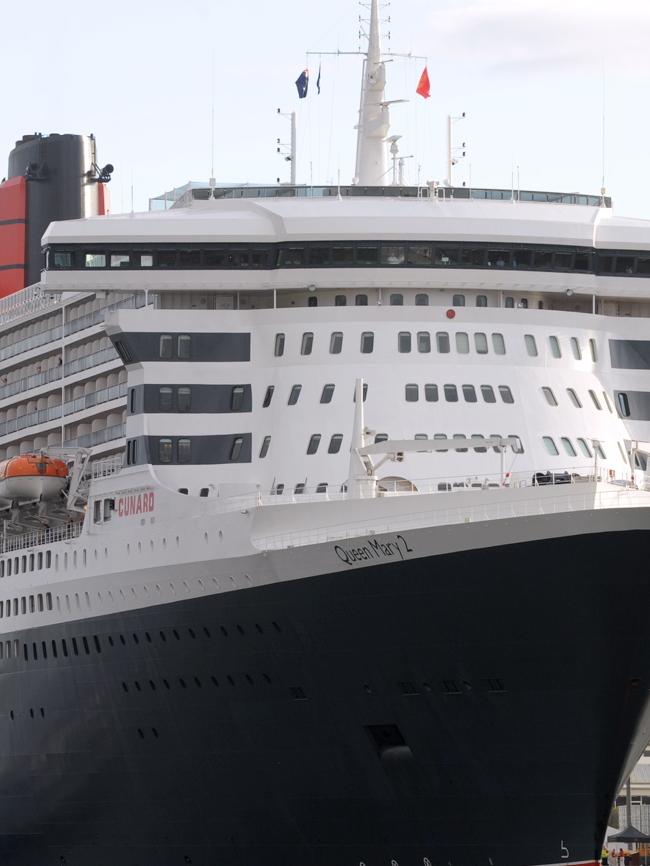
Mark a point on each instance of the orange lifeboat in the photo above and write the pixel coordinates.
(32, 476)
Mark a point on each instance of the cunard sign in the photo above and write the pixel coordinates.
(374, 550)
(135, 503)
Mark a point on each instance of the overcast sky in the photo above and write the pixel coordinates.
(528, 73)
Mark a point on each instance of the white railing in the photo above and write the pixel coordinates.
(498, 509)
(40, 536)
(107, 467)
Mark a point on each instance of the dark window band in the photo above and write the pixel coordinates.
(630, 354)
(189, 450)
(153, 399)
(134, 347)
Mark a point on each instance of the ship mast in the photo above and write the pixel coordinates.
(374, 120)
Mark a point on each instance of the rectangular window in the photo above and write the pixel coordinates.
(460, 450)
(336, 343)
(361, 300)
(264, 450)
(291, 258)
(462, 343)
(451, 393)
(97, 511)
(327, 393)
(412, 393)
(307, 343)
(109, 507)
(184, 450)
(62, 259)
(481, 301)
(575, 348)
(550, 446)
(623, 404)
(498, 344)
(279, 345)
(431, 393)
(365, 393)
(458, 301)
(469, 393)
(183, 398)
(550, 396)
(314, 442)
(236, 449)
(319, 256)
(396, 300)
(165, 450)
(440, 437)
(95, 260)
(294, 394)
(268, 397)
(506, 394)
(593, 350)
(165, 399)
(480, 343)
(146, 260)
(424, 342)
(167, 258)
(342, 256)
(419, 255)
(237, 398)
(392, 255)
(554, 343)
(574, 398)
(335, 443)
(421, 300)
(404, 342)
(531, 345)
(165, 346)
(120, 260)
(367, 255)
(479, 449)
(340, 301)
(367, 342)
(442, 342)
(183, 346)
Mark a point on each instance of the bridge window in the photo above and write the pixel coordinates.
(506, 394)
(95, 260)
(575, 348)
(307, 343)
(327, 394)
(469, 393)
(554, 343)
(487, 392)
(392, 255)
(531, 345)
(574, 398)
(550, 446)
(568, 446)
(120, 260)
(314, 442)
(480, 343)
(451, 393)
(404, 342)
(184, 450)
(550, 396)
(335, 443)
(336, 343)
(419, 255)
(367, 342)
(165, 451)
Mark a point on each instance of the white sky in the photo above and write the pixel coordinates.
(528, 73)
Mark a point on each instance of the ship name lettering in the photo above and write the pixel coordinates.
(136, 503)
(374, 549)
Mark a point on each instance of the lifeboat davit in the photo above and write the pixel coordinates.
(32, 476)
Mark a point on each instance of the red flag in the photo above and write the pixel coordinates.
(424, 87)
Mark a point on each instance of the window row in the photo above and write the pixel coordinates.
(551, 399)
(350, 254)
(405, 343)
(326, 394)
(26, 562)
(567, 446)
(556, 348)
(26, 604)
(517, 446)
(432, 394)
(333, 447)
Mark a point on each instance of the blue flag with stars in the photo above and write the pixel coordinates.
(302, 83)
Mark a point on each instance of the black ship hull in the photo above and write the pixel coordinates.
(468, 708)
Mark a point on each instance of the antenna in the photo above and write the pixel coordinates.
(212, 180)
(603, 189)
(454, 154)
(288, 149)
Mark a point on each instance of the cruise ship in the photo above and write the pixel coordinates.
(325, 514)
